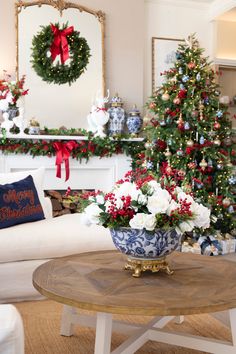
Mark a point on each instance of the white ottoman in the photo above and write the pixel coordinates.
(11, 331)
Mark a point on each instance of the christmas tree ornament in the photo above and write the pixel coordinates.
(232, 180)
(169, 142)
(186, 126)
(149, 165)
(181, 173)
(194, 114)
(167, 153)
(180, 119)
(219, 165)
(182, 87)
(180, 152)
(165, 96)
(173, 79)
(169, 170)
(211, 133)
(178, 55)
(180, 71)
(210, 164)
(191, 65)
(185, 78)
(176, 100)
(192, 165)
(203, 164)
(190, 143)
(226, 202)
(231, 209)
(219, 113)
(216, 125)
(152, 105)
(198, 77)
(201, 108)
(148, 145)
(163, 123)
(169, 120)
(229, 164)
(227, 141)
(217, 142)
(202, 140)
(187, 188)
(158, 166)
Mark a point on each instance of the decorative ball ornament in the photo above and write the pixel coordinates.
(219, 113)
(189, 143)
(217, 142)
(226, 202)
(203, 164)
(186, 126)
(165, 96)
(202, 140)
(219, 165)
(167, 153)
(66, 43)
(176, 100)
(191, 65)
(216, 125)
(162, 123)
(227, 141)
(152, 105)
(169, 170)
(148, 145)
(180, 152)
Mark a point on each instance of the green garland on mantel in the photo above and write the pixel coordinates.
(94, 146)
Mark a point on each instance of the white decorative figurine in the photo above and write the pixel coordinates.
(98, 116)
(7, 123)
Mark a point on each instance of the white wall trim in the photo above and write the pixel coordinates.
(181, 3)
(226, 62)
(218, 7)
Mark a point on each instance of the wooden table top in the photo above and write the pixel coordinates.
(96, 281)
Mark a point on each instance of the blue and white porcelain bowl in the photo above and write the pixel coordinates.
(145, 244)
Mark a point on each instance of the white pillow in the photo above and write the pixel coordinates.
(38, 177)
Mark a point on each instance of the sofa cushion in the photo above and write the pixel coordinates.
(19, 203)
(51, 238)
(38, 177)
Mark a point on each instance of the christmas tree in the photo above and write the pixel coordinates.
(189, 138)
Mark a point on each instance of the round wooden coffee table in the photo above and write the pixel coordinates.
(96, 281)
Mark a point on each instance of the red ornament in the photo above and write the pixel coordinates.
(216, 125)
(191, 65)
(191, 165)
(182, 93)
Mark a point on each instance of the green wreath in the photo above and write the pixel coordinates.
(42, 60)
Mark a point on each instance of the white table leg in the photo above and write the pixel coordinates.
(67, 325)
(232, 317)
(179, 319)
(103, 333)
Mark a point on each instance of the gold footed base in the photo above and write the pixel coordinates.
(141, 265)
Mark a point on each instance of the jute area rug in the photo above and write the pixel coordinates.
(42, 324)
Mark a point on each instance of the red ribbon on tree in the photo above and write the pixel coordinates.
(60, 45)
(63, 151)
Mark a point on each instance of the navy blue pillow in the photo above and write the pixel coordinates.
(19, 203)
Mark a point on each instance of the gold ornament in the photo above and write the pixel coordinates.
(203, 164)
(226, 202)
(189, 143)
(217, 142)
(165, 96)
(201, 107)
(180, 120)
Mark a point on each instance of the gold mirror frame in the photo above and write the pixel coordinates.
(60, 5)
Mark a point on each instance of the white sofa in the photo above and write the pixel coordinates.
(26, 246)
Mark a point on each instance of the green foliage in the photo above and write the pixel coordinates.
(59, 73)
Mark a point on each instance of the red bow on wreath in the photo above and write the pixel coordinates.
(63, 151)
(60, 45)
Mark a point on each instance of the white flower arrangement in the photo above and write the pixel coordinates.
(146, 204)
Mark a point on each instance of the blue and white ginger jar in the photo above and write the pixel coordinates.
(116, 113)
(134, 121)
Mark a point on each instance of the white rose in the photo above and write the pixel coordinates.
(150, 222)
(126, 189)
(153, 185)
(138, 221)
(183, 196)
(159, 202)
(142, 199)
(201, 216)
(100, 199)
(172, 206)
(119, 203)
(92, 213)
(186, 226)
